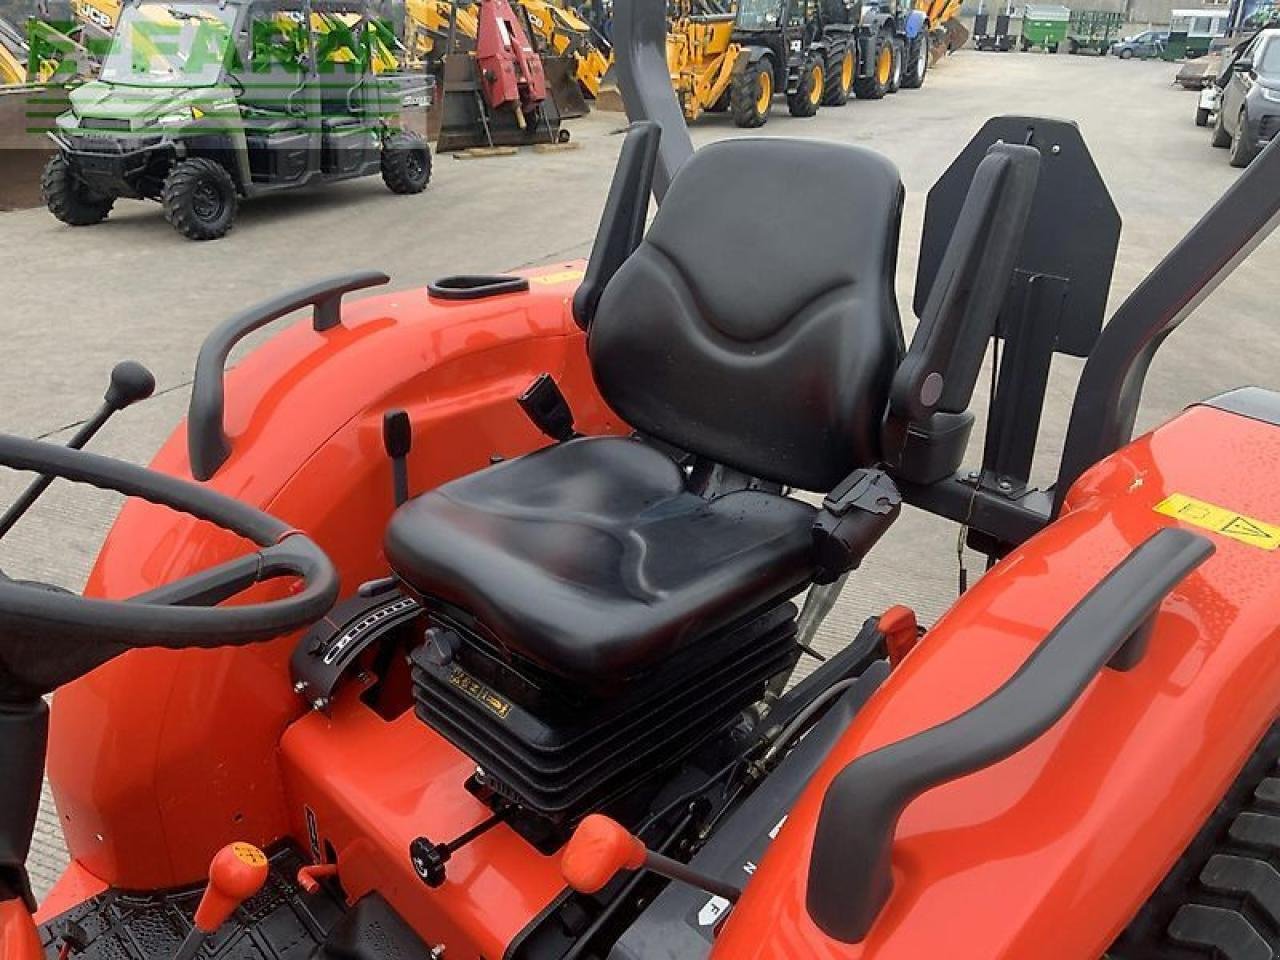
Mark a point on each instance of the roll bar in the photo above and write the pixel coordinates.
(1110, 387)
(640, 50)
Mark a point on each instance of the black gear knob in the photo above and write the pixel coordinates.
(130, 382)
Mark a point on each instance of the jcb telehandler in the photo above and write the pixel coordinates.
(457, 623)
(815, 52)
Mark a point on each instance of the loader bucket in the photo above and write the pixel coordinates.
(952, 35)
(563, 87)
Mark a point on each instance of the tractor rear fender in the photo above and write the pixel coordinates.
(185, 744)
(1052, 851)
(751, 53)
(867, 48)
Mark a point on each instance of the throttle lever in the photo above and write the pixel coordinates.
(130, 382)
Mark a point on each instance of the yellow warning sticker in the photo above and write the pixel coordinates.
(559, 276)
(1220, 520)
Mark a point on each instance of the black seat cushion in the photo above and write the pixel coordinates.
(590, 557)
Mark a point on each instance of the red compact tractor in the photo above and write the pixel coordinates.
(460, 623)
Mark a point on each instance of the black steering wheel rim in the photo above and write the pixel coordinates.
(181, 614)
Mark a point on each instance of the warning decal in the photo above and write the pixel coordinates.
(559, 276)
(1220, 520)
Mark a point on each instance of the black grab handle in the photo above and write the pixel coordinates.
(208, 445)
(849, 872)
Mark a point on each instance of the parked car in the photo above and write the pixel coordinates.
(1144, 46)
(1248, 114)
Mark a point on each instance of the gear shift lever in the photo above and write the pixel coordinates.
(236, 873)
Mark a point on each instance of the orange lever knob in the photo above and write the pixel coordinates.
(598, 849)
(237, 872)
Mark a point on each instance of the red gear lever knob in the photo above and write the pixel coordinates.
(236, 873)
(598, 849)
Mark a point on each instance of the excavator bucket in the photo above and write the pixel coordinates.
(563, 86)
(952, 35)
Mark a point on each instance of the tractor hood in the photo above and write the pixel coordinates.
(141, 107)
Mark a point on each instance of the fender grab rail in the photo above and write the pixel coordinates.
(208, 445)
(850, 876)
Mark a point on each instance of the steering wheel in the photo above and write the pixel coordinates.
(49, 637)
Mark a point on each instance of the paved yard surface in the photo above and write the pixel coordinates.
(77, 300)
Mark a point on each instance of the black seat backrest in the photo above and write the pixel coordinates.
(756, 324)
(940, 370)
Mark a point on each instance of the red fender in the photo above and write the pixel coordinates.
(1050, 853)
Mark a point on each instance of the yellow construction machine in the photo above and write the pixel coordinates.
(701, 56)
(946, 31)
(13, 55)
(558, 30)
(562, 31)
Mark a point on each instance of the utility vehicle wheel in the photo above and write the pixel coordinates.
(199, 199)
(808, 96)
(840, 80)
(895, 78)
(1242, 151)
(1218, 899)
(916, 63)
(877, 85)
(68, 199)
(406, 163)
(1221, 138)
(1202, 116)
(751, 95)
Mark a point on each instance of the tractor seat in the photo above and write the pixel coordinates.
(756, 329)
(590, 558)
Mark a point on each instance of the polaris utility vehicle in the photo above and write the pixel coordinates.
(199, 104)
(458, 623)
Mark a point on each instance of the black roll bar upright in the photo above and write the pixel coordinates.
(640, 52)
(1110, 387)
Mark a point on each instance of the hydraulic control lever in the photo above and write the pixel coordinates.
(600, 847)
(236, 873)
(130, 382)
(397, 440)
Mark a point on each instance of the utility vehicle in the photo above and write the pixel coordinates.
(502, 671)
(1247, 109)
(199, 104)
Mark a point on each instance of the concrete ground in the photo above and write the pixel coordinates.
(77, 300)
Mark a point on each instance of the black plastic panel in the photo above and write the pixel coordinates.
(1255, 403)
(281, 923)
